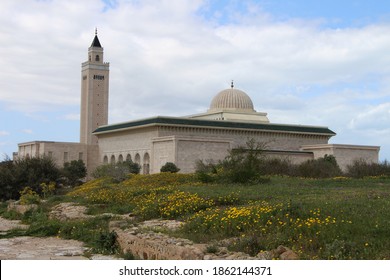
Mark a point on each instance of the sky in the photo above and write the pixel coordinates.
(322, 63)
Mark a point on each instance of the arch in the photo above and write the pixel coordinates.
(97, 58)
(105, 159)
(146, 166)
(112, 161)
(120, 158)
(128, 157)
(137, 158)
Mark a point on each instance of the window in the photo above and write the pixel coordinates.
(81, 155)
(65, 156)
(97, 58)
(50, 154)
(98, 77)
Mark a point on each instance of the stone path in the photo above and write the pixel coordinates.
(40, 248)
(36, 248)
(6, 225)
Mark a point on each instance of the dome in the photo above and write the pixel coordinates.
(232, 99)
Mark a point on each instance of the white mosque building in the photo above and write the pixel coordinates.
(230, 121)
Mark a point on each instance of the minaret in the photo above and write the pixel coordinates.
(94, 93)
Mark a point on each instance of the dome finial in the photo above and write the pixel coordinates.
(232, 84)
(96, 31)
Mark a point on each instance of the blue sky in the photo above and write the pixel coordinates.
(303, 62)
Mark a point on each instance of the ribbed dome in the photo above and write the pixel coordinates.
(232, 99)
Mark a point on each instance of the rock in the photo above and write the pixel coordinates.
(285, 253)
(69, 211)
(7, 225)
(289, 255)
(15, 206)
(29, 248)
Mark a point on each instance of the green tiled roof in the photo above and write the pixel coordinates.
(166, 121)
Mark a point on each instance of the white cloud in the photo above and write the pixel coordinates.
(4, 133)
(374, 118)
(72, 117)
(168, 59)
(27, 131)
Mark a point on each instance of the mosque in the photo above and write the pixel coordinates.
(151, 142)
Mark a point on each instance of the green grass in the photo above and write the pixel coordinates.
(363, 202)
(353, 217)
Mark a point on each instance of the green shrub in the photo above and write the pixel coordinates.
(276, 166)
(74, 171)
(32, 172)
(118, 171)
(170, 167)
(106, 243)
(325, 167)
(361, 168)
(242, 165)
(28, 196)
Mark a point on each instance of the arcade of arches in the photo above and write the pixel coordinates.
(144, 163)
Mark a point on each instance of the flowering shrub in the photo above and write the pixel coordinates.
(170, 205)
(28, 196)
(268, 224)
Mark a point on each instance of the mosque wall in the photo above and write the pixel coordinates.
(239, 137)
(190, 150)
(163, 151)
(345, 154)
(130, 144)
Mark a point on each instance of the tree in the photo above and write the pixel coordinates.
(118, 171)
(26, 172)
(74, 171)
(243, 164)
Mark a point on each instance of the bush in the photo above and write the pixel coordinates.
(361, 168)
(170, 167)
(325, 167)
(28, 196)
(31, 172)
(276, 166)
(243, 164)
(118, 171)
(74, 171)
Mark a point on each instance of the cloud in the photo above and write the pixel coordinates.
(27, 131)
(72, 117)
(173, 57)
(4, 133)
(374, 118)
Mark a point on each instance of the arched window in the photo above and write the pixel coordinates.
(137, 159)
(128, 157)
(112, 159)
(120, 158)
(105, 160)
(146, 166)
(97, 58)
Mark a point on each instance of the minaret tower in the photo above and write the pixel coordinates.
(94, 93)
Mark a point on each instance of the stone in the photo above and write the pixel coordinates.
(20, 208)
(7, 225)
(289, 255)
(68, 211)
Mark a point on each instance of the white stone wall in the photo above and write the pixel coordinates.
(135, 143)
(345, 154)
(273, 140)
(60, 152)
(163, 151)
(189, 150)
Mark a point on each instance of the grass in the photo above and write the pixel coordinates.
(338, 218)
